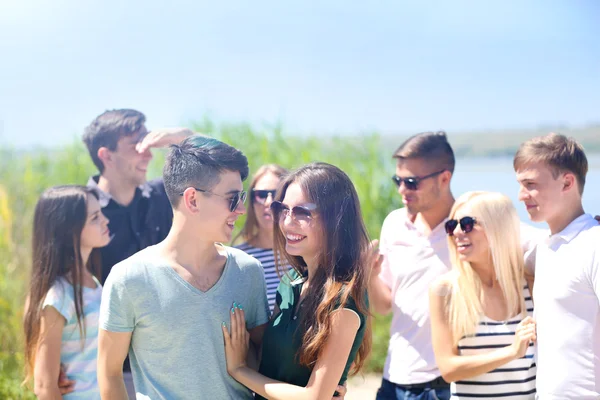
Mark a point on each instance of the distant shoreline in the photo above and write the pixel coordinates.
(503, 143)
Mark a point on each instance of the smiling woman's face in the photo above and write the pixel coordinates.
(472, 247)
(303, 234)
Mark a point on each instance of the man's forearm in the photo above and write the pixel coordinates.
(380, 296)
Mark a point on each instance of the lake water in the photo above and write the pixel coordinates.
(497, 174)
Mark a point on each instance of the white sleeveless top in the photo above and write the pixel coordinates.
(514, 380)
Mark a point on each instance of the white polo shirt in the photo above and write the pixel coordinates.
(567, 311)
(412, 261)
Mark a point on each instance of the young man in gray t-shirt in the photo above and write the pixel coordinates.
(165, 305)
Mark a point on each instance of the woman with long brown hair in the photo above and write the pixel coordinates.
(320, 330)
(258, 229)
(61, 316)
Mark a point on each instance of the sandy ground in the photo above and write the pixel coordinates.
(363, 387)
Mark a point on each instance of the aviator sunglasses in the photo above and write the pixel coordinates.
(466, 224)
(260, 196)
(298, 213)
(234, 200)
(412, 183)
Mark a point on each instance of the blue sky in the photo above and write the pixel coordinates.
(318, 66)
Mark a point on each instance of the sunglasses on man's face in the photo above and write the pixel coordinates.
(412, 183)
(260, 196)
(466, 224)
(234, 200)
(298, 213)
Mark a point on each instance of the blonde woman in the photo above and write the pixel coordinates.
(482, 329)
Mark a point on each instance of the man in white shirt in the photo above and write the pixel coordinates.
(551, 171)
(415, 253)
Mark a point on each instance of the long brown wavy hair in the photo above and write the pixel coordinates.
(59, 218)
(342, 262)
(250, 229)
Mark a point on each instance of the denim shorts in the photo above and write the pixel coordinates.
(434, 390)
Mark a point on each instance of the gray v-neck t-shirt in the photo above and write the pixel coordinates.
(176, 349)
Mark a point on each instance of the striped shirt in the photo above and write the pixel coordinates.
(514, 380)
(78, 356)
(267, 259)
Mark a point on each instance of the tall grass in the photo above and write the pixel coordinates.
(23, 177)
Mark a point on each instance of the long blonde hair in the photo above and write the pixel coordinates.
(497, 216)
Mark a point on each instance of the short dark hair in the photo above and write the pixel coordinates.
(430, 146)
(198, 162)
(108, 128)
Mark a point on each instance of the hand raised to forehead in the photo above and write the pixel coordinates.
(163, 137)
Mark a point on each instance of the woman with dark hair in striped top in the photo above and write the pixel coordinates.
(258, 229)
(481, 311)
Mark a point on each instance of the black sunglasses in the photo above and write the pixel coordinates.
(298, 213)
(412, 183)
(260, 196)
(466, 224)
(234, 200)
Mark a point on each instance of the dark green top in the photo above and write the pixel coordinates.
(283, 338)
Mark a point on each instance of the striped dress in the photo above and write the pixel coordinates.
(267, 259)
(514, 380)
(78, 356)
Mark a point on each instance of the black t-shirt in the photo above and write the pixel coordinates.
(146, 221)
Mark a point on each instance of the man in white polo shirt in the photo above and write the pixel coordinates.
(551, 171)
(415, 253)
